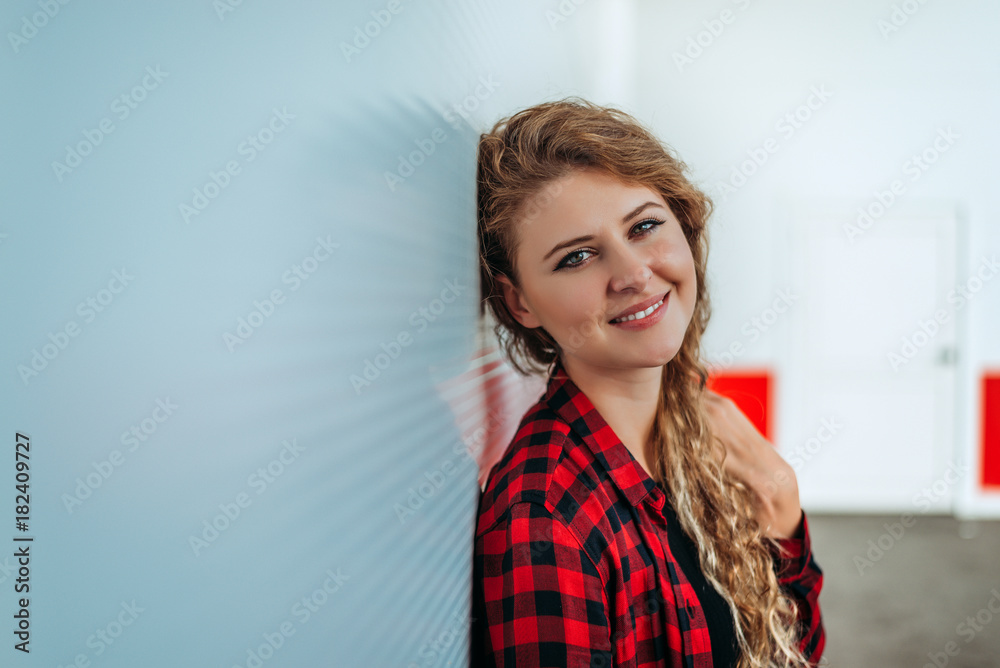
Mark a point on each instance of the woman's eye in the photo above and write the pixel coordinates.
(651, 222)
(565, 261)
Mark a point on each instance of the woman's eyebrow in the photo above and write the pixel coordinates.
(572, 242)
(637, 210)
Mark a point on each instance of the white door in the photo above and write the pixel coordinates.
(866, 382)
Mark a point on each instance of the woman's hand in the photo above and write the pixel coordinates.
(753, 460)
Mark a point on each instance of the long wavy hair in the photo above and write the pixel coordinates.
(519, 164)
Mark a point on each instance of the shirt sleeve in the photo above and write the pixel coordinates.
(801, 578)
(538, 598)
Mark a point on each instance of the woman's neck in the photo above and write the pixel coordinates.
(625, 398)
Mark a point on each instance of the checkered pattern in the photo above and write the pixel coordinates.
(572, 567)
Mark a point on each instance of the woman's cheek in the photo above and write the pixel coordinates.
(580, 332)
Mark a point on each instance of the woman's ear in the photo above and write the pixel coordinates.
(516, 305)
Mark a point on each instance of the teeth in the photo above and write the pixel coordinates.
(641, 314)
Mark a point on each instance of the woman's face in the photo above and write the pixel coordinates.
(592, 248)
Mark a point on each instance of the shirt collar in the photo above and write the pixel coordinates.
(576, 409)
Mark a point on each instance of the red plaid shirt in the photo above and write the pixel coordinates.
(571, 562)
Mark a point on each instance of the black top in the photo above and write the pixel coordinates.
(717, 614)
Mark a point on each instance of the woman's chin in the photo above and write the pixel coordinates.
(663, 355)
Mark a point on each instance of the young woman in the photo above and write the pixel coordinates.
(637, 518)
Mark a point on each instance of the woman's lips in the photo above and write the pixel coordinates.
(648, 321)
(640, 307)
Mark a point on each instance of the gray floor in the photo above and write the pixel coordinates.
(915, 596)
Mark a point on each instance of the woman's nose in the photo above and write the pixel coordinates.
(631, 271)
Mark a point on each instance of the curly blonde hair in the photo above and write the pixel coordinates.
(519, 159)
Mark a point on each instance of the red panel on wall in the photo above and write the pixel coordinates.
(752, 392)
(991, 430)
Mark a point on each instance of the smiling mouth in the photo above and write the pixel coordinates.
(641, 314)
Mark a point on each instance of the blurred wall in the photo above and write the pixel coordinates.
(238, 263)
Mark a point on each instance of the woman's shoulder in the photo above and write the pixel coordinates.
(545, 463)
(534, 452)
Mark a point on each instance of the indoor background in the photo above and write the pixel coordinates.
(239, 286)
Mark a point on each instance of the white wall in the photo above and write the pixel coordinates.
(889, 95)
